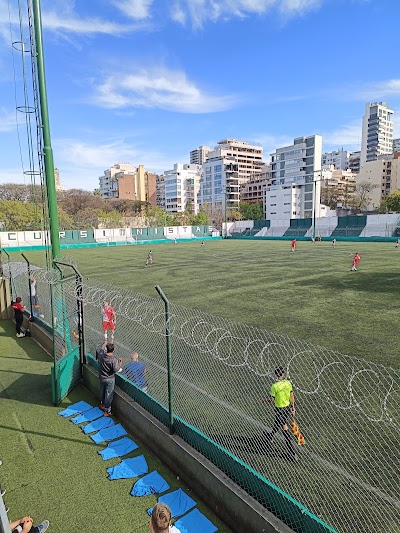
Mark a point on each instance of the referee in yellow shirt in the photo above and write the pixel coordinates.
(282, 397)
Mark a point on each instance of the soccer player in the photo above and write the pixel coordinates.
(281, 395)
(334, 243)
(109, 320)
(202, 243)
(294, 242)
(149, 260)
(356, 260)
(398, 243)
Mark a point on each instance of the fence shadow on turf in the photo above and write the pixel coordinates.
(222, 372)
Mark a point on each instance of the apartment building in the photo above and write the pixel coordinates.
(383, 172)
(248, 157)
(377, 132)
(295, 189)
(396, 145)
(124, 181)
(355, 162)
(219, 185)
(199, 155)
(252, 192)
(338, 158)
(181, 187)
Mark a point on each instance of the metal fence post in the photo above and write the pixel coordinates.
(169, 360)
(29, 283)
(10, 274)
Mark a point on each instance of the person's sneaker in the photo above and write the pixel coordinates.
(19, 335)
(41, 316)
(43, 526)
(7, 509)
(107, 413)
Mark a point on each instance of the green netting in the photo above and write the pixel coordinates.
(66, 373)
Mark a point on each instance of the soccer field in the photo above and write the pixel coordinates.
(310, 294)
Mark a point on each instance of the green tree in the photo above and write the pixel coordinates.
(251, 211)
(18, 216)
(201, 219)
(110, 219)
(391, 202)
(65, 221)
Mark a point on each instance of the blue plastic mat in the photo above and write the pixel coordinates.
(118, 448)
(107, 434)
(153, 483)
(97, 425)
(195, 522)
(134, 467)
(87, 416)
(75, 409)
(178, 501)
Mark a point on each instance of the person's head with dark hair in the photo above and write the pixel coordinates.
(279, 372)
(18, 299)
(160, 518)
(110, 347)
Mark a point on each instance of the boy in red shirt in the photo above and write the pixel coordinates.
(294, 242)
(356, 260)
(19, 315)
(109, 319)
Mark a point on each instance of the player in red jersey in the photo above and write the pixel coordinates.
(109, 320)
(356, 260)
(294, 242)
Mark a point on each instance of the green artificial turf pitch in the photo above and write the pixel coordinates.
(50, 469)
(310, 294)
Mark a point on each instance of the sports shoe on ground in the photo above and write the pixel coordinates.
(43, 526)
(19, 335)
(107, 413)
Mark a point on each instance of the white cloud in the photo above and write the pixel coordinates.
(378, 90)
(8, 120)
(136, 9)
(199, 11)
(159, 88)
(82, 163)
(347, 136)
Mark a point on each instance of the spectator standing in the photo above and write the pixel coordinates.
(135, 371)
(19, 315)
(160, 520)
(109, 365)
(149, 260)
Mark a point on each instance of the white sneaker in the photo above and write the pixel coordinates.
(43, 526)
(19, 335)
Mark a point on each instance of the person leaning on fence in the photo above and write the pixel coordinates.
(135, 371)
(23, 525)
(160, 520)
(109, 365)
(281, 395)
(18, 315)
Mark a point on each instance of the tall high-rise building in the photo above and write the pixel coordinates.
(338, 158)
(247, 156)
(199, 156)
(219, 185)
(295, 189)
(181, 188)
(396, 145)
(377, 132)
(384, 173)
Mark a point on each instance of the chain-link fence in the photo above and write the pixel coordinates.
(347, 408)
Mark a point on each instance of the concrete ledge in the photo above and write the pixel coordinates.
(229, 502)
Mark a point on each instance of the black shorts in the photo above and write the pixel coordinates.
(282, 415)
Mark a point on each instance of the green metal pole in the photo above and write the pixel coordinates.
(169, 360)
(47, 149)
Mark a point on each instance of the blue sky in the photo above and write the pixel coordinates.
(146, 81)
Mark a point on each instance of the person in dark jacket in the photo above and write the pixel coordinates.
(109, 365)
(19, 315)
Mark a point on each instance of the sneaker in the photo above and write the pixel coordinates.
(41, 316)
(7, 509)
(19, 335)
(43, 526)
(107, 413)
